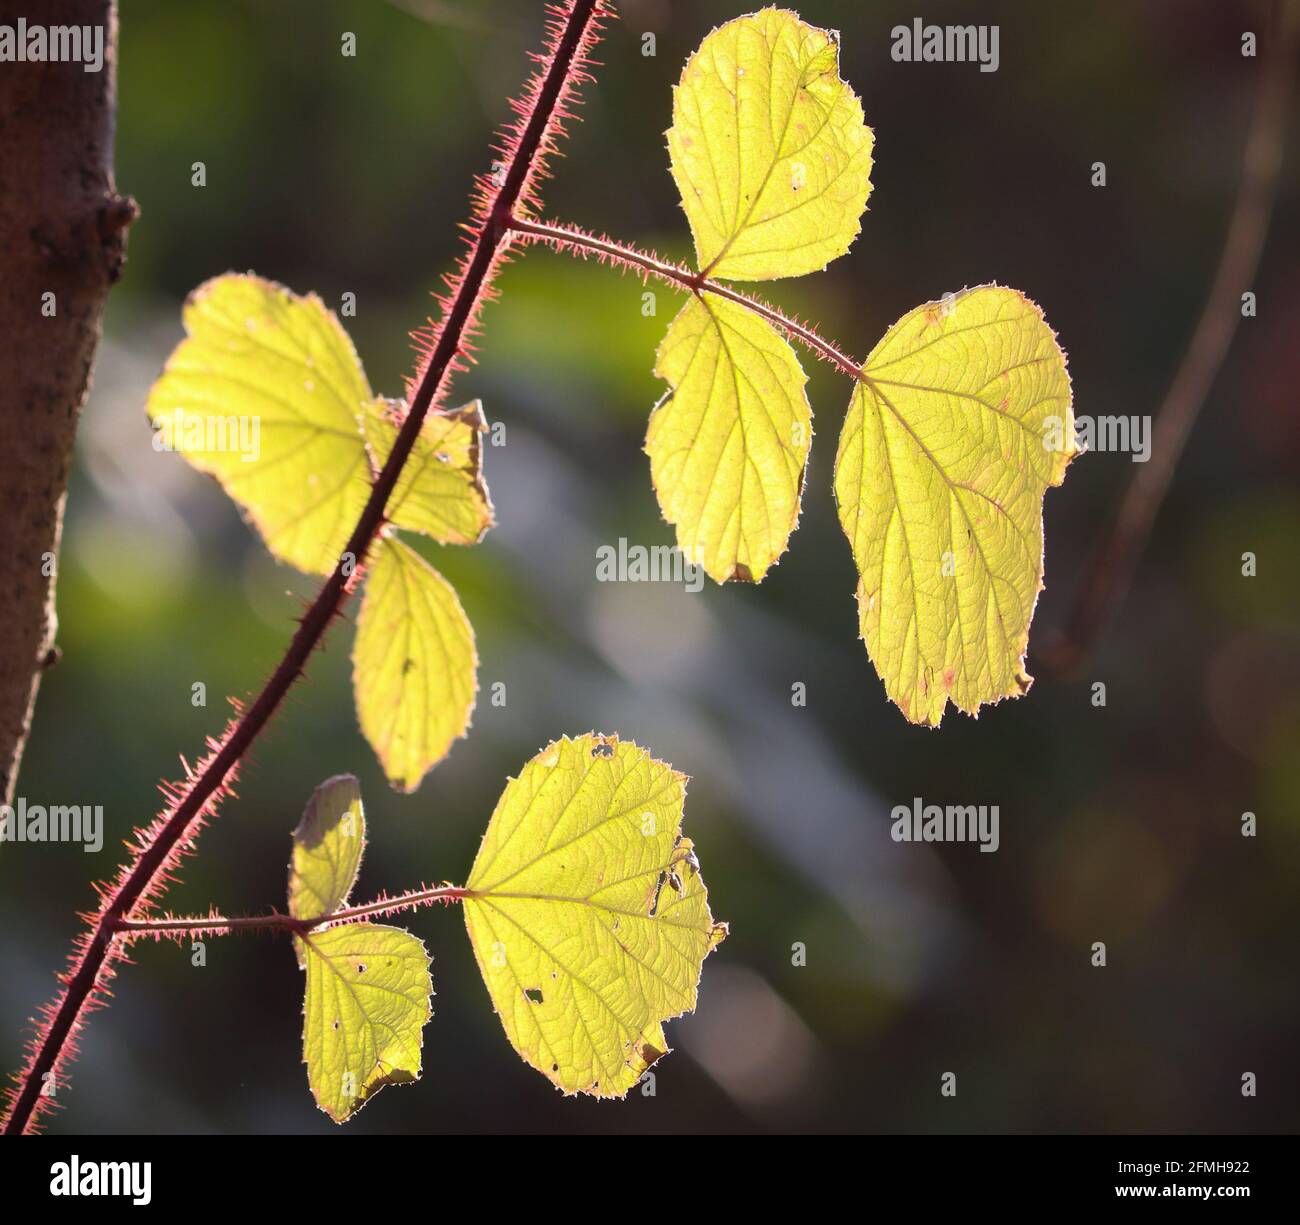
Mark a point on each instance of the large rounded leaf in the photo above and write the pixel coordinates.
(587, 912)
(961, 422)
(769, 149)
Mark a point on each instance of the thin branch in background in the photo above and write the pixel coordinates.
(1110, 570)
(458, 17)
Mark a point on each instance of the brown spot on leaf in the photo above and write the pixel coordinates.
(649, 1054)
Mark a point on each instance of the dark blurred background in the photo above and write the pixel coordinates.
(1119, 824)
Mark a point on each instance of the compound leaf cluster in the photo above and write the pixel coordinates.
(585, 908)
(946, 450)
(262, 365)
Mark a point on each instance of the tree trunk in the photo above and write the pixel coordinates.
(62, 241)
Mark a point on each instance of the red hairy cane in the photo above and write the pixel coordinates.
(443, 348)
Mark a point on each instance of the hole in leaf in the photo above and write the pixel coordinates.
(533, 994)
(654, 899)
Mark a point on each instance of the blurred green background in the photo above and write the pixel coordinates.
(1119, 824)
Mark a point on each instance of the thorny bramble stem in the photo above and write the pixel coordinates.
(159, 847)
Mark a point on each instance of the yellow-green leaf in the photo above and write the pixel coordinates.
(441, 490)
(265, 395)
(587, 912)
(368, 985)
(728, 445)
(415, 668)
(769, 149)
(366, 1005)
(960, 424)
(327, 849)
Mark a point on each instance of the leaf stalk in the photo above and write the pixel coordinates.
(219, 925)
(573, 240)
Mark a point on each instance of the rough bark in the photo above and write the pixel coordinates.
(62, 232)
